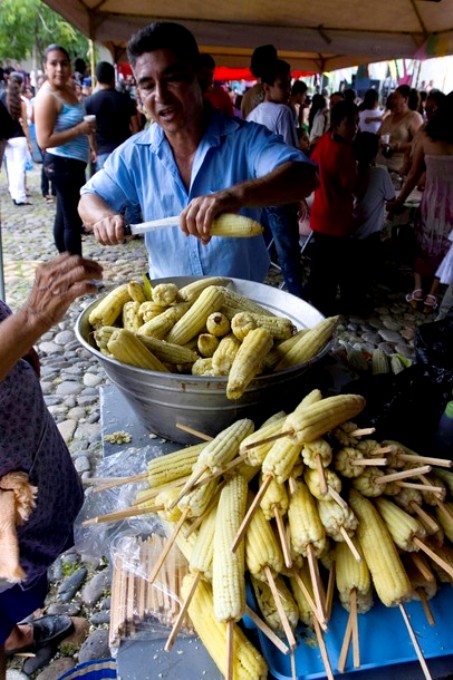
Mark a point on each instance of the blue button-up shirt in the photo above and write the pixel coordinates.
(143, 171)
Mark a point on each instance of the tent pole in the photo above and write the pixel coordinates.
(2, 281)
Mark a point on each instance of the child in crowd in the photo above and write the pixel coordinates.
(374, 189)
(332, 218)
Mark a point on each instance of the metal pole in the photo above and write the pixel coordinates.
(2, 281)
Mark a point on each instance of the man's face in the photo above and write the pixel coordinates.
(347, 128)
(169, 90)
(280, 91)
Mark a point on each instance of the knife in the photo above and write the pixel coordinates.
(226, 224)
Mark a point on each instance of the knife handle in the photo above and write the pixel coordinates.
(127, 230)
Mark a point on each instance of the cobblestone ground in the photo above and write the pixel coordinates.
(71, 379)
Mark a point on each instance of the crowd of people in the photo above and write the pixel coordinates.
(179, 148)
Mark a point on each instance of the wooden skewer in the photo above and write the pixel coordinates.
(149, 494)
(420, 487)
(422, 567)
(141, 588)
(426, 460)
(292, 484)
(133, 511)
(196, 433)
(417, 647)
(322, 475)
(441, 492)
(268, 632)
(369, 461)
(130, 603)
(355, 628)
(220, 472)
(268, 440)
(283, 537)
(336, 497)
(397, 476)
(250, 512)
(319, 615)
(182, 612)
(168, 545)
(425, 604)
(119, 481)
(434, 556)
(430, 523)
(293, 665)
(382, 449)
(281, 612)
(330, 590)
(198, 521)
(351, 546)
(362, 432)
(323, 649)
(316, 581)
(188, 486)
(230, 650)
(341, 665)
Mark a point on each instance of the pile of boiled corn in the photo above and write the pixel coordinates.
(386, 521)
(203, 328)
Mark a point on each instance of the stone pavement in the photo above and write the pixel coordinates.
(71, 378)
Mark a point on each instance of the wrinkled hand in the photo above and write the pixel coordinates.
(197, 217)
(57, 284)
(110, 230)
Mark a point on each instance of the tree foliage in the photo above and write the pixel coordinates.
(28, 23)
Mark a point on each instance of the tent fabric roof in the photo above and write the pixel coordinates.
(312, 35)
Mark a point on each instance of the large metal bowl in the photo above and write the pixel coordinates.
(161, 400)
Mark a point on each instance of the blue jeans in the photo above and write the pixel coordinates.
(283, 225)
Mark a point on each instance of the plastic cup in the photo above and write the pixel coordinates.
(91, 118)
(385, 139)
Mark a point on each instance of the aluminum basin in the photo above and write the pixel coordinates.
(160, 400)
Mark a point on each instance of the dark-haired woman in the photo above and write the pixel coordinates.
(400, 126)
(18, 146)
(318, 118)
(62, 131)
(370, 115)
(434, 151)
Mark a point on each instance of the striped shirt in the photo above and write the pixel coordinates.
(78, 147)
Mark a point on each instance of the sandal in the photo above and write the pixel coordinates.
(430, 304)
(415, 297)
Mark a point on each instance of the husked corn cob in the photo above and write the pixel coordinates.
(185, 540)
(446, 477)
(351, 575)
(194, 320)
(402, 526)
(136, 292)
(202, 553)
(406, 497)
(344, 462)
(429, 497)
(166, 498)
(445, 552)
(236, 226)
(248, 664)
(367, 446)
(276, 496)
(367, 482)
(279, 327)
(444, 512)
(280, 460)
(379, 362)
(223, 357)
(315, 420)
(261, 547)
(228, 581)
(248, 362)
(207, 344)
(158, 326)
(343, 434)
(132, 319)
(389, 578)
(165, 293)
(256, 455)
(233, 303)
(421, 587)
(203, 366)
(225, 446)
(103, 334)
(309, 344)
(149, 310)
(218, 324)
(191, 291)
(197, 500)
(305, 527)
(305, 610)
(147, 287)
(127, 348)
(281, 349)
(266, 603)
(334, 517)
(167, 352)
(109, 308)
(318, 447)
(165, 469)
(313, 482)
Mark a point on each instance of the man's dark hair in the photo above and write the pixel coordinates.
(366, 147)
(404, 90)
(439, 128)
(207, 61)
(341, 110)
(272, 70)
(261, 57)
(162, 35)
(105, 73)
(56, 48)
(299, 87)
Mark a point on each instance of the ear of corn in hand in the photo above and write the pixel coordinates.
(235, 226)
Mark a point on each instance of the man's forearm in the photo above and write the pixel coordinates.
(289, 183)
(92, 209)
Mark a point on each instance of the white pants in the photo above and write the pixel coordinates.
(16, 154)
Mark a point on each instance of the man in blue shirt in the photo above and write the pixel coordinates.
(191, 161)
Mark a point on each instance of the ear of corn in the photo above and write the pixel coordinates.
(233, 303)
(159, 325)
(344, 461)
(194, 320)
(266, 603)
(305, 610)
(193, 290)
(202, 553)
(281, 349)
(223, 357)
(125, 347)
(248, 362)
(350, 575)
(218, 324)
(248, 664)
(168, 352)
(235, 226)
(446, 477)
(109, 308)
(165, 293)
(198, 500)
(132, 319)
(165, 469)
(318, 418)
(207, 344)
(261, 547)
(304, 524)
(257, 454)
(311, 451)
(280, 460)
(102, 335)
(203, 366)
(390, 580)
(136, 292)
(279, 327)
(149, 310)
(310, 344)
(334, 517)
(228, 581)
(367, 483)
(276, 496)
(379, 362)
(313, 482)
(225, 446)
(402, 526)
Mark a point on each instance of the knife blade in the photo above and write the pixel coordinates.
(151, 225)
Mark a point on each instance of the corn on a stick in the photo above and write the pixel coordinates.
(277, 605)
(267, 630)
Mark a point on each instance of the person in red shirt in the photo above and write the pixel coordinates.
(219, 98)
(332, 219)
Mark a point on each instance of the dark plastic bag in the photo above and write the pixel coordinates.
(434, 344)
